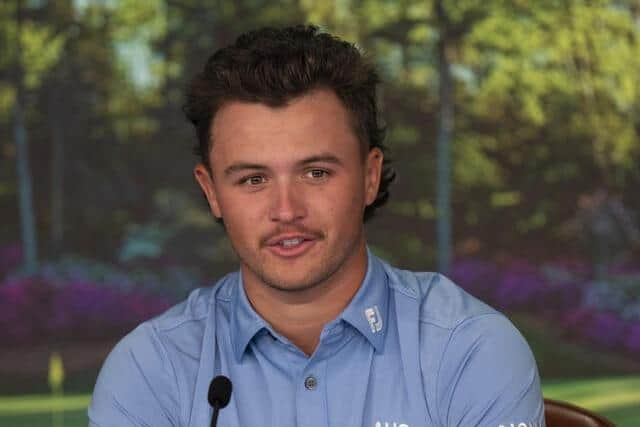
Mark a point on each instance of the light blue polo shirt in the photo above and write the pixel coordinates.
(411, 349)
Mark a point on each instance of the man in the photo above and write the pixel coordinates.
(313, 330)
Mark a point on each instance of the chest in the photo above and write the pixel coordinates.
(353, 386)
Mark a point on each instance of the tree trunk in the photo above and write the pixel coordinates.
(25, 194)
(57, 172)
(443, 147)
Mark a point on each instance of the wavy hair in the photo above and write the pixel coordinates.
(275, 65)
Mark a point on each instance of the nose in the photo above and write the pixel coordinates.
(287, 204)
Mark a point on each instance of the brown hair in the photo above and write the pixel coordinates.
(272, 66)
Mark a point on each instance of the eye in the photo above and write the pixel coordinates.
(317, 173)
(253, 180)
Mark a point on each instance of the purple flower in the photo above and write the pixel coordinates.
(606, 329)
(520, 286)
(477, 277)
(24, 309)
(633, 338)
(35, 309)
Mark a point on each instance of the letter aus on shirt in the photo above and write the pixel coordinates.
(523, 424)
(389, 424)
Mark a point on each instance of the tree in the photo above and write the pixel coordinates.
(452, 22)
(24, 41)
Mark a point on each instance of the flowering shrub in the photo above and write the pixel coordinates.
(607, 329)
(632, 342)
(172, 281)
(617, 294)
(517, 285)
(35, 309)
(477, 277)
(78, 298)
(520, 286)
(606, 313)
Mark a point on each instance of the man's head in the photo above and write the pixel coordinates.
(272, 67)
(291, 154)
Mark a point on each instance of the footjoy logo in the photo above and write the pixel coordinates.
(375, 323)
(389, 424)
(535, 424)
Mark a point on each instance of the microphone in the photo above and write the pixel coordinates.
(219, 395)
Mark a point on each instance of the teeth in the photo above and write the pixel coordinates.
(290, 242)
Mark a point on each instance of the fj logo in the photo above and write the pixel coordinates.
(375, 322)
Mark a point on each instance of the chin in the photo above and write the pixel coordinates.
(287, 283)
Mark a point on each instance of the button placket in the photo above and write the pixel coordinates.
(311, 405)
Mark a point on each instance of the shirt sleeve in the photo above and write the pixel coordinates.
(488, 377)
(136, 385)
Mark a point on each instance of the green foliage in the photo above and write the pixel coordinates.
(570, 68)
(473, 167)
(36, 51)
(546, 99)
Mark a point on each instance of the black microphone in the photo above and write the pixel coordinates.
(219, 395)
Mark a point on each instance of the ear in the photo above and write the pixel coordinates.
(373, 165)
(205, 180)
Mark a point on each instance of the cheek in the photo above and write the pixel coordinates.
(344, 204)
(242, 217)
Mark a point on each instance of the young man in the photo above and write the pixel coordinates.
(313, 330)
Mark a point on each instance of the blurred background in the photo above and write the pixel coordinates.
(514, 129)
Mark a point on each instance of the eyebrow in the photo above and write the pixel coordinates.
(319, 158)
(322, 158)
(238, 167)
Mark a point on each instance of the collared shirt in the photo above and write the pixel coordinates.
(410, 349)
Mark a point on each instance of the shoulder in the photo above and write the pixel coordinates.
(146, 369)
(452, 320)
(441, 302)
(182, 327)
(476, 366)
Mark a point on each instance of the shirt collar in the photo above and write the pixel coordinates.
(245, 322)
(367, 311)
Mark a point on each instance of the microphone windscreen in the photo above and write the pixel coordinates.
(219, 391)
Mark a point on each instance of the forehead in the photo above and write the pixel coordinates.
(317, 121)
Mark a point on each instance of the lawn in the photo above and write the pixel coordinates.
(616, 398)
(38, 411)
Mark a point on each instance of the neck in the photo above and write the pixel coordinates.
(301, 315)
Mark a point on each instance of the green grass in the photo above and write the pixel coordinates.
(616, 398)
(32, 404)
(44, 410)
(71, 419)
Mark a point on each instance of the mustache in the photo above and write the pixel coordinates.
(316, 234)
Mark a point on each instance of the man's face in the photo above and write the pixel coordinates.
(291, 185)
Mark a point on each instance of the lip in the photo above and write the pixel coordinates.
(274, 247)
(288, 236)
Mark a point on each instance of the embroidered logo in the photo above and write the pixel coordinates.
(375, 321)
(389, 424)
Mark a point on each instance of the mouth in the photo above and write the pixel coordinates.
(290, 243)
(290, 246)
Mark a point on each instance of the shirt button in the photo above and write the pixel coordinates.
(310, 383)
